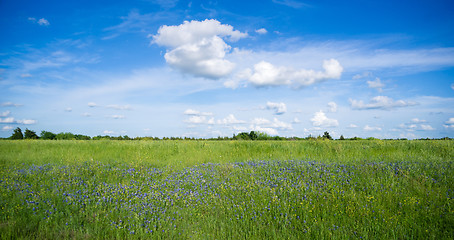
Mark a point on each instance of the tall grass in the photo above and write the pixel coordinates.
(180, 154)
(226, 190)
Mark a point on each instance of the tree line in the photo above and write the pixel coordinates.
(252, 135)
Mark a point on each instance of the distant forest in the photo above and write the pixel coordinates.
(253, 135)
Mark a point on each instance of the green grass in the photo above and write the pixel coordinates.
(227, 190)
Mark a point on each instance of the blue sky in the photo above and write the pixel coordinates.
(215, 68)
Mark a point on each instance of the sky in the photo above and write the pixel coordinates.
(204, 69)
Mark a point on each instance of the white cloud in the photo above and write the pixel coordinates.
(368, 128)
(452, 86)
(199, 119)
(320, 120)
(196, 113)
(10, 104)
(117, 116)
(266, 74)
(417, 120)
(377, 84)
(5, 114)
(426, 127)
(43, 21)
(296, 120)
(272, 124)
(198, 47)
(26, 121)
(261, 31)
(85, 114)
(92, 104)
(279, 108)
(352, 126)
(119, 107)
(269, 131)
(7, 120)
(415, 125)
(380, 102)
(260, 121)
(332, 107)
(68, 109)
(7, 128)
(108, 132)
(449, 124)
(282, 125)
(230, 119)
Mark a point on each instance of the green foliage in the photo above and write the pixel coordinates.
(29, 134)
(341, 137)
(17, 134)
(65, 136)
(327, 136)
(45, 135)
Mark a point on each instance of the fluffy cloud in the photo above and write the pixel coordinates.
(272, 124)
(377, 84)
(452, 86)
(195, 119)
(230, 119)
(279, 108)
(269, 131)
(321, 120)
(198, 47)
(352, 126)
(369, 128)
(380, 102)
(332, 107)
(266, 74)
(449, 124)
(261, 31)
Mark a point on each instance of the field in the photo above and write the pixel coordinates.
(227, 189)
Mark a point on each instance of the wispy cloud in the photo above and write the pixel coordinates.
(380, 102)
(41, 21)
(10, 104)
(291, 3)
(377, 84)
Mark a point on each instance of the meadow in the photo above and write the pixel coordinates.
(372, 189)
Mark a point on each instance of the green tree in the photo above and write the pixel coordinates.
(253, 135)
(342, 137)
(17, 134)
(29, 134)
(47, 135)
(327, 136)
